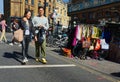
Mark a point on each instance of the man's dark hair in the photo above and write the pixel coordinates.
(40, 7)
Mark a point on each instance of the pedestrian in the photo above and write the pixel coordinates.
(3, 29)
(40, 22)
(14, 26)
(27, 27)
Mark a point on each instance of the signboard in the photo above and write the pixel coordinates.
(89, 4)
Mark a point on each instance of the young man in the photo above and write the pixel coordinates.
(40, 22)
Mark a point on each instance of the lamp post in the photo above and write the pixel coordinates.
(45, 7)
(20, 7)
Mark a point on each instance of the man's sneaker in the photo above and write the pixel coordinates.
(43, 60)
(11, 44)
(37, 60)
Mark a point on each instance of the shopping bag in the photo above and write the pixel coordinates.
(85, 44)
(18, 35)
(104, 45)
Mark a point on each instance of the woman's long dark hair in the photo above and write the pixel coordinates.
(26, 11)
(2, 17)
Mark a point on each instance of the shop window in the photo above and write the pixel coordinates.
(107, 14)
(49, 8)
(26, 1)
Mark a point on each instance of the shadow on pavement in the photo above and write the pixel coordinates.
(16, 55)
(59, 51)
(117, 74)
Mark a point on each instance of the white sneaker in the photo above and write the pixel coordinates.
(15, 43)
(11, 44)
(1, 42)
(25, 60)
(20, 45)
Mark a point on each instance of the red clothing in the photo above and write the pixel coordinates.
(3, 23)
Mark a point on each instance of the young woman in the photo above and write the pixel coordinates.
(3, 27)
(27, 27)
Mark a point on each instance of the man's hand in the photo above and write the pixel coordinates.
(41, 26)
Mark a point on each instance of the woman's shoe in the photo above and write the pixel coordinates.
(25, 60)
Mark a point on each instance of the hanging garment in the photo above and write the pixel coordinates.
(88, 31)
(107, 35)
(81, 29)
(78, 33)
(97, 46)
(75, 39)
(84, 33)
(95, 32)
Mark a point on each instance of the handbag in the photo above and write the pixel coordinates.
(41, 36)
(18, 35)
(85, 44)
(104, 45)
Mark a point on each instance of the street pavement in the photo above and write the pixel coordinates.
(104, 67)
(58, 69)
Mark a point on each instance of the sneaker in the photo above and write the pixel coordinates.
(15, 43)
(1, 42)
(25, 60)
(43, 60)
(11, 44)
(20, 45)
(37, 60)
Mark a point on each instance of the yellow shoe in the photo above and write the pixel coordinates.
(43, 60)
(37, 60)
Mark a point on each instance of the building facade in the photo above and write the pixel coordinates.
(16, 8)
(61, 10)
(93, 11)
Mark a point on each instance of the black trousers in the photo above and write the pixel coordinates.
(25, 46)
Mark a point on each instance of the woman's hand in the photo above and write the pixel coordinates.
(36, 38)
(24, 19)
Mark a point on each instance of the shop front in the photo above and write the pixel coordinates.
(105, 14)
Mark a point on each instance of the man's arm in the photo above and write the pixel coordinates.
(46, 24)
